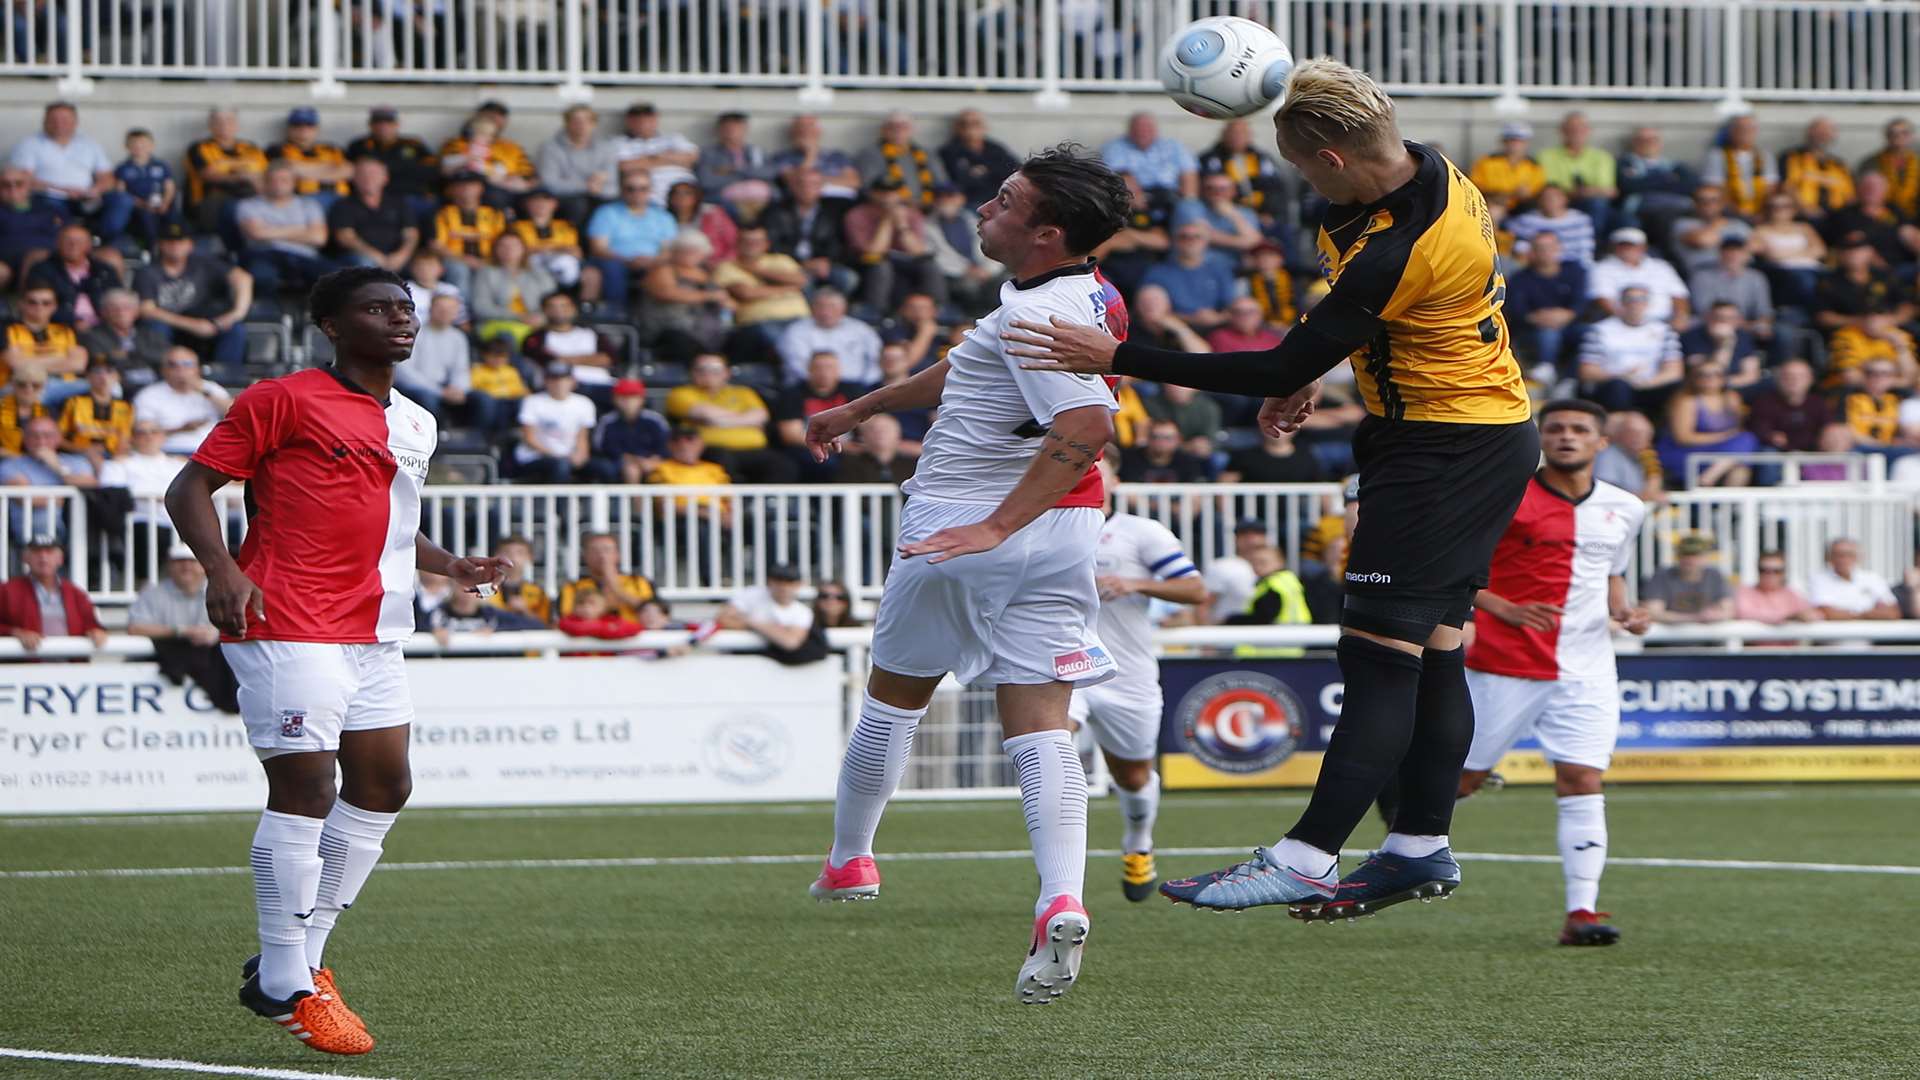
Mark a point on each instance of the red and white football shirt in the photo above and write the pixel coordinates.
(333, 500)
(1560, 552)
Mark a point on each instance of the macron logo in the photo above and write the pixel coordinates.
(1369, 579)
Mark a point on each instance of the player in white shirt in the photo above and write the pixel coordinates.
(993, 580)
(1541, 661)
(1137, 562)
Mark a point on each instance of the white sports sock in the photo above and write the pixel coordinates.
(1412, 846)
(877, 753)
(1053, 793)
(349, 848)
(1304, 857)
(1583, 848)
(1139, 809)
(286, 881)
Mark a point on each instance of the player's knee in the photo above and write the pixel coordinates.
(381, 790)
(1130, 775)
(301, 792)
(1577, 780)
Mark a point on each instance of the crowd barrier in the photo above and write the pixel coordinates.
(1730, 51)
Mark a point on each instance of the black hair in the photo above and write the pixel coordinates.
(331, 292)
(139, 133)
(1078, 193)
(1579, 405)
(731, 118)
(558, 292)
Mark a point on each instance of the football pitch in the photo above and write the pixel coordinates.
(679, 942)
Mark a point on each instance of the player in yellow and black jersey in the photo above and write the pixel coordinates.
(1445, 455)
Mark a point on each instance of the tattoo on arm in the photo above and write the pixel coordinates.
(1082, 454)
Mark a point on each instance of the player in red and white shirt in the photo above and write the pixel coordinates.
(1137, 562)
(993, 580)
(312, 617)
(1541, 661)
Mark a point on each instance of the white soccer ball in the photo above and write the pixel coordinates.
(1225, 66)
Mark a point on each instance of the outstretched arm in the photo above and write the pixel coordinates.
(922, 391)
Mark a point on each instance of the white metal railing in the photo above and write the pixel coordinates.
(1728, 50)
(704, 543)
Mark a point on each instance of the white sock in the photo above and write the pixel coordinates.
(1304, 857)
(1412, 846)
(1053, 793)
(877, 753)
(1583, 848)
(1139, 808)
(349, 848)
(286, 881)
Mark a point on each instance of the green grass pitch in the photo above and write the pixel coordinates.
(727, 969)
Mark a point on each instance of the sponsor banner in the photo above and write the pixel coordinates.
(1756, 716)
(103, 738)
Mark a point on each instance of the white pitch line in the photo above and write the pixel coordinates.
(171, 1065)
(649, 862)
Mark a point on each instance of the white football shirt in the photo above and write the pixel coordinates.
(1135, 547)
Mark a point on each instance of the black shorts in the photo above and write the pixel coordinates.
(1434, 501)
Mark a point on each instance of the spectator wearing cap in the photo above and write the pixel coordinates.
(28, 225)
(553, 244)
(562, 339)
(577, 165)
(1843, 589)
(773, 611)
(464, 230)
(629, 442)
(1630, 358)
(412, 168)
(828, 328)
(1871, 410)
(98, 423)
(1733, 280)
(686, 466)
(976, 164)
(1259, 183)
(887, 235)
(148, 182)
(839, 178)
(34, 338)
(1510, 177)
(1629, 265)
(439, 373)
(498, 387)
(41, 464)
(1771, 600)
(1855, 287)
(1198, 281)
(40, 603)
(808, 228)
(553, 430)
(1235, 229)
(174, 608)
(320, 169)
(1721, 337)
(222, 169)
(71, 170)
(896, 156)
(1553, 212)
(1544, 300)
(1586, 172)
(284, 232)
(78, 274)
(626, 238)
(1654, 188)
(665, 157)
(507, 291)
(199, 301)
(731, 421)
(733, 170)
(183, 402)
(1691, 590)
(368, 227)
(483, 148)
(768, 288)
(1738, 165)
(133, 347)
(1877, 338)
(690, 210)
(1161, 164)
(1699, 235)
(822, 390)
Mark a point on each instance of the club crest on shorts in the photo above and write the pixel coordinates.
(1241, 721)
(293, 723)
(1081, 662)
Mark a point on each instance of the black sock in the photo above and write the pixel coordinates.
(1375, 728)
(1442, 734)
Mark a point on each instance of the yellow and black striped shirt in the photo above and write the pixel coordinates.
(640, 587)
(84, 422)
(468, 233)
(533, 600)
(1902, 171)
(1420, 268)
(207, 158)
(50, 345)
(1819, 181)
(559, 235)
(12, 424)
(317, 154)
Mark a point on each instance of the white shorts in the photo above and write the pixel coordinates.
(1576, 720)
(1124, 716)
(298, 696)
(1022, 613)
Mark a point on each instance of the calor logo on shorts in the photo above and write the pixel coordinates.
(1081, 662)
(293, 723)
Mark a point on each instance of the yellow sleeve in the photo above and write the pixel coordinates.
(680, 401)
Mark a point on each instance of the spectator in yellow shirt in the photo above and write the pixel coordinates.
(600, 566)
(464, 230)
(685, 467)
(767, 286)
(98, 423)
(1873, 409)
(553, 244)
(518, 591)
(1877, 338)
(1510, 177)
(494, 386)
(732, 423)
(507, 169)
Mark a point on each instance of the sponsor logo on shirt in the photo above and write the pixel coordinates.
(1081, 662)
(1241, 722)
(293, 723)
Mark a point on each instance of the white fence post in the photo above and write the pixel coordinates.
(1510, 103)
(328, 85)
(1050, 95)
(1732, 63)
(75, 83)
(815, 90)
(574, 45)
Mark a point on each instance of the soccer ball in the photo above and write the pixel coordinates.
(1225, 66)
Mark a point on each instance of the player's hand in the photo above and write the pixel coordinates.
(953, 543)
(1637, 621)
(472, 572)
(1533, 615)
(233, 601)
(826, 429)
(1061, 346)
(1281, 416)
(1113, 587)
